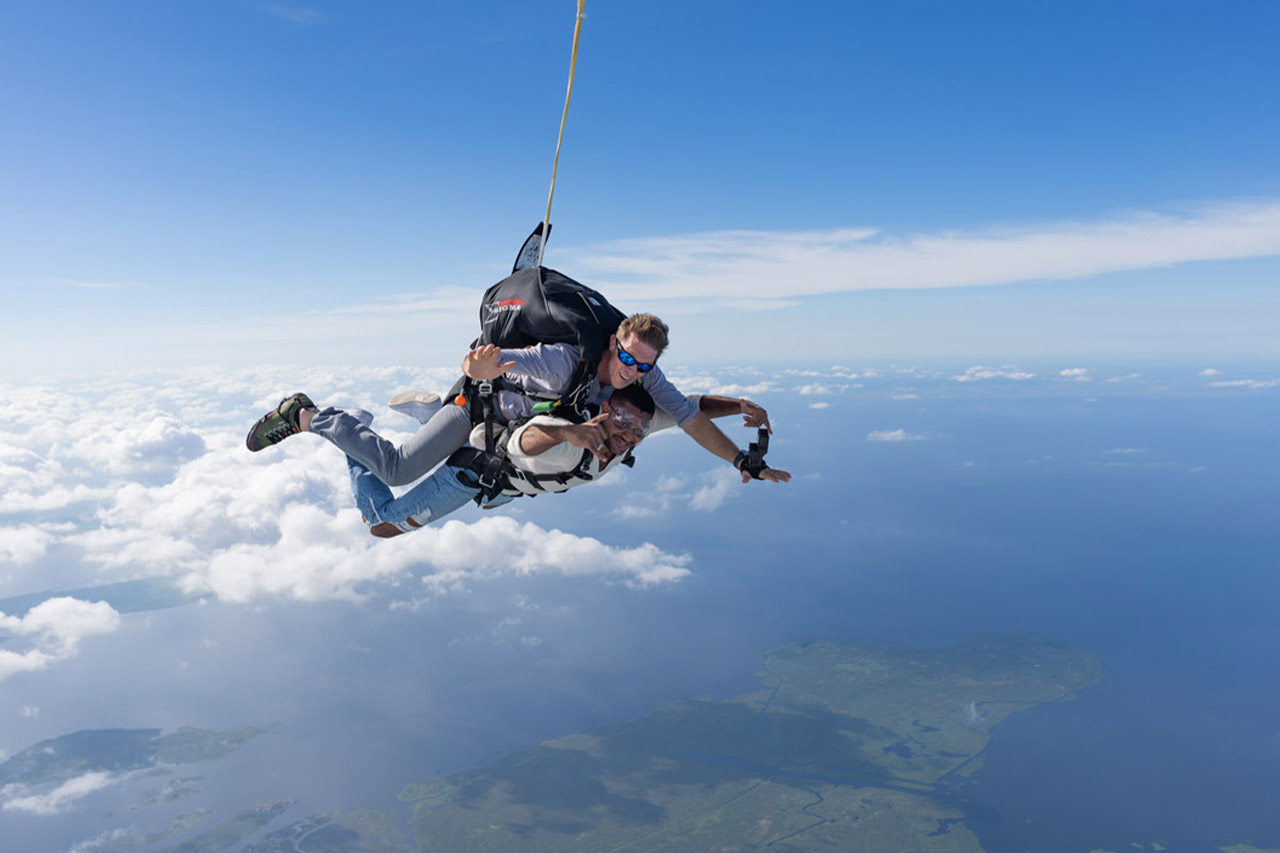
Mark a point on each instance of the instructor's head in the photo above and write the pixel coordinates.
(633, 350)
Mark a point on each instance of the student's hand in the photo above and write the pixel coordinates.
(773, 475)
(754, 415)
(485, 363)
(589, 436)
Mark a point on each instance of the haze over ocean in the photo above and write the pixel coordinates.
(1005, 278)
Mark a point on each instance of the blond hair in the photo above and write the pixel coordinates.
(646, 328)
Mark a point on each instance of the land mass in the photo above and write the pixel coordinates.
(843, 747)
(64, 758)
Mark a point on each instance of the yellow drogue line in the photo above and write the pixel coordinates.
(573, 63)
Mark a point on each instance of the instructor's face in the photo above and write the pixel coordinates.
(621, 375)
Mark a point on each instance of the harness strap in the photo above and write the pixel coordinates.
(496, 474)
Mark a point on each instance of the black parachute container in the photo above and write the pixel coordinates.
(541, 305)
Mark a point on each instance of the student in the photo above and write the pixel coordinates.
(544, 454)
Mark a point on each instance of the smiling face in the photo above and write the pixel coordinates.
(613, 371)
(618, 437)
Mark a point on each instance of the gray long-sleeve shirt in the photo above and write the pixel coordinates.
(549, 368)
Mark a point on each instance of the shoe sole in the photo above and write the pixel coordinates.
(416, 404)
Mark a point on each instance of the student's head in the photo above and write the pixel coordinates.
(633, 350)
(630, 411)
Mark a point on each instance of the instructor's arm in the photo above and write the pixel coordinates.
(702, 430)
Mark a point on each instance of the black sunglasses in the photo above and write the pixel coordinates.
(630, 360)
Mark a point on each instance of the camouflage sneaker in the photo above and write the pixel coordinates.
(274, 427)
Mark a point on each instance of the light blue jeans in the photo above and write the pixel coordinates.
(433, 498)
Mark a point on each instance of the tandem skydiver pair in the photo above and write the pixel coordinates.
(535, 402)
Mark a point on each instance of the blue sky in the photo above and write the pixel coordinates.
(230, 182)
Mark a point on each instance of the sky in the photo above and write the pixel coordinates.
(240, 183)
(1016, 263)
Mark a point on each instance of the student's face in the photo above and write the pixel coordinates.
(622, 438)
(621, 375)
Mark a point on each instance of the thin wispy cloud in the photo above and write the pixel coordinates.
(720, 485)
(1246, 383)
(109, 285)
(892, 435)
(62, 797)
(978, 372)
(768, 265)
(303, 16)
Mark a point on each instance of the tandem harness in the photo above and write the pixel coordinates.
(492, 472)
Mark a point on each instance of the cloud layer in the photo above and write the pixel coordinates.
(147, 475)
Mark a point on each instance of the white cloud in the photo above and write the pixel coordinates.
(977, 373)
(633, 510)
(906, 396)
(319, 556)
(34, 483)
(1125, 377)
(53, 630)
(819, 405)
(1211, 371)
(1127, 450)
(153, 443)
(817, 388)
(750, 265)
(1079, 374)
(60, 798)
(125, 838)
(1246, 383)
(894, 435)
(720, 485)
(671, 482)
(30, 712)
(23, 544)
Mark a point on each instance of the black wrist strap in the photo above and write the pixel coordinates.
(747, 463)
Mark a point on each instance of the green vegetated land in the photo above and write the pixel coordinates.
(843, 747)
(117, 751)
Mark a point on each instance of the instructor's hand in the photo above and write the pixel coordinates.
(754, 415)
(773, 475)
(485, 363)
